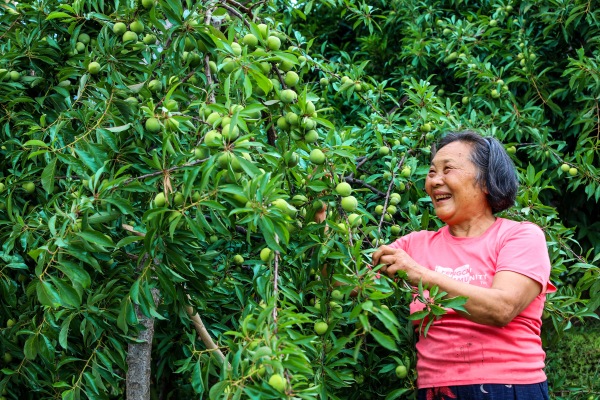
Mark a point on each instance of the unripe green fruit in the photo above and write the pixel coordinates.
(286, 65)
(265, 67)
(406, 171)
(266, 254)
(291, 78)
(230, 133)
(94, 67)
(572, 171)
(511, 150)
(379, 209)
(493, 22)
(152, 125)
(277, 382)
(201, 152)
(337, 295)
(354, 219)
(178, 199)
(283, 124)
(426, 127)
(147, 4)
(263, 29)
(250, 40)
(447, 31)
(83, 38)
(288, 96)
(80, 47)
(213, 238)
(238, 259)
(136, 26)
(384, 151)
(309, 108)
(392, 209)
(8, 358)
(155, 85)
(213, 139)
(236, 48)
(324, 81)
(213, 66)
(229, 65)
(343, 189)
(212, 118)
(149, 39)
(395, 230)
(2, 187)
(284, 206)
(291, 159)
(465, 100)
(317, 157)
(495, 94)
(565, 167)
(29, 187)
(395, 198)
(387, 175)
(160, 200)
(349, 203)
(273, 43)
(130, 36)
(119, 28)
(292, 118)
(311, 136)
(11, 322)
(401, 371)
(308, 123)
(321, 327)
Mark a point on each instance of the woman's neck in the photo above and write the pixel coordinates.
(472, 228)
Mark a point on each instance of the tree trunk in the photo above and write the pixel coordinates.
(139, 357)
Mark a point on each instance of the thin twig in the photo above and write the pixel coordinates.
(349, 179)
(165, 171)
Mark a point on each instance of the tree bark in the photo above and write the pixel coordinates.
(139, 357)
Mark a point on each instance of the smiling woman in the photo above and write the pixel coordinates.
(502, 266)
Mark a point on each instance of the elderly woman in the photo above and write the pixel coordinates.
(494, 351)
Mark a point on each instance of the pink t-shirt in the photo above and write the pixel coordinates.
(457, 351)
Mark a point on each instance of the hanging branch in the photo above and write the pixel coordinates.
(204, 335)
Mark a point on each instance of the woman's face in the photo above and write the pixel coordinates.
(456, 196)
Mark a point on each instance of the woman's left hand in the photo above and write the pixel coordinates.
(395, 260)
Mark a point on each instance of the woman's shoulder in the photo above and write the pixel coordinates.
(511, 228)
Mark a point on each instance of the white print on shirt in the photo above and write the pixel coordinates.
(462, 274)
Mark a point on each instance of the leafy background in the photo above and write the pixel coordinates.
(88, 253)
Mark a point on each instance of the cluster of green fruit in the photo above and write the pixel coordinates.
(12, 75)
(349, 202)
(570, 170)
(390, 211)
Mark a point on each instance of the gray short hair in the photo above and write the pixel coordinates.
(496, 171)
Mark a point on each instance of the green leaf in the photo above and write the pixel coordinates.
(48, 176)
(95, 237)
(47, 295)
(384, 340)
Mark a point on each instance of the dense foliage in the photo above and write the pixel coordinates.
(151, 152)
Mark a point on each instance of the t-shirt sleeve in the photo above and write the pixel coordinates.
(524, 250)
